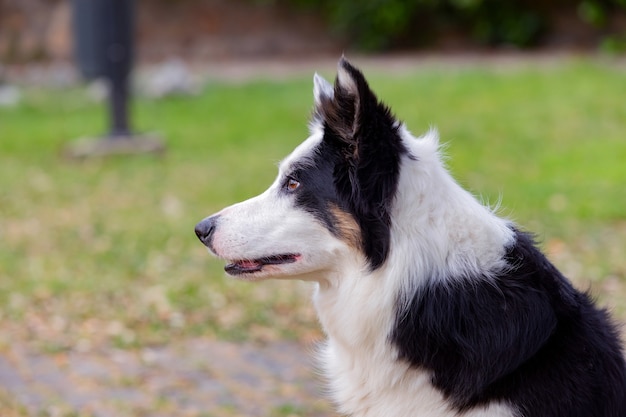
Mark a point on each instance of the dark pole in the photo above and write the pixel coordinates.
(118, 102)
(104, 45)
(118, 26)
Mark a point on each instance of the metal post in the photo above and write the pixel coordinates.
(104, 39)
(118, 109)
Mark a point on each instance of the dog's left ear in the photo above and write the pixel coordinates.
(363, 130)
(322, 90)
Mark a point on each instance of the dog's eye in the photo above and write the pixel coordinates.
(292, 184)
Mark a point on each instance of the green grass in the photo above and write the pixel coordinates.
(103, 251)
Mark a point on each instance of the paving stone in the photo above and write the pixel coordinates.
(196, 378)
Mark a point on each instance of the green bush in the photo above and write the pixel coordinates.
(388, 24)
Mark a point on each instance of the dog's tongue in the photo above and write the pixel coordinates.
(241, 267)
(254, 265)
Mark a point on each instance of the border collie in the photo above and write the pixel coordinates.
(432, 304)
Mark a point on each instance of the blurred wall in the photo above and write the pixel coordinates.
(205, 30)
(36, 30)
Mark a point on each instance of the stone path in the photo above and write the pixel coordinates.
(187, 378)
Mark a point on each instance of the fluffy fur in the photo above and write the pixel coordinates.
(433, 305)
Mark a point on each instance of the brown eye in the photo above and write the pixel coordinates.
(292, 184)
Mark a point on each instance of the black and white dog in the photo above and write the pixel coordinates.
(432, 304)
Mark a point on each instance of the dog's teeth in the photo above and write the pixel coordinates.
(248, 264)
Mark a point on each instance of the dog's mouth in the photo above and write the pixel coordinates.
(248, 266)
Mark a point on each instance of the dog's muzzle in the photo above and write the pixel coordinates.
(206, 229)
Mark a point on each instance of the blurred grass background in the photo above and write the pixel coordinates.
(102, 251)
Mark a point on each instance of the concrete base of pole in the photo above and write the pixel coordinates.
(133, 144)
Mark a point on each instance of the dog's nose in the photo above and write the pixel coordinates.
(205, 229)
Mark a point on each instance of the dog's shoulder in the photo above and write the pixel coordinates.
(524, 335)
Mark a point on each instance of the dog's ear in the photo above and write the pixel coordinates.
(322, 90)
(339, 108)
(350, 112)
(365, 133)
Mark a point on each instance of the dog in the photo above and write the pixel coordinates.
(431, 303)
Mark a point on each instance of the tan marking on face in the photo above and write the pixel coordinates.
(348, 228)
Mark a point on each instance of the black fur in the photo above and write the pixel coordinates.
(525, 337)
(317, 192)
(361, 135)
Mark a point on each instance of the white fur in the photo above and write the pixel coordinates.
(321, 88)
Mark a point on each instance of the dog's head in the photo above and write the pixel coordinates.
(332, 198)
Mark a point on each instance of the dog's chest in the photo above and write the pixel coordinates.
(364, 384)
(364, 376)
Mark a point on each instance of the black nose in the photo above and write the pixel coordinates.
(205, 229)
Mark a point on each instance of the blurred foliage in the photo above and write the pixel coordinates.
(614, 44)
(385, 24)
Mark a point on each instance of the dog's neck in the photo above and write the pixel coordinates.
(356, 308)
(455, 236)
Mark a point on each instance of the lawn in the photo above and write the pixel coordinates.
(102, 252)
